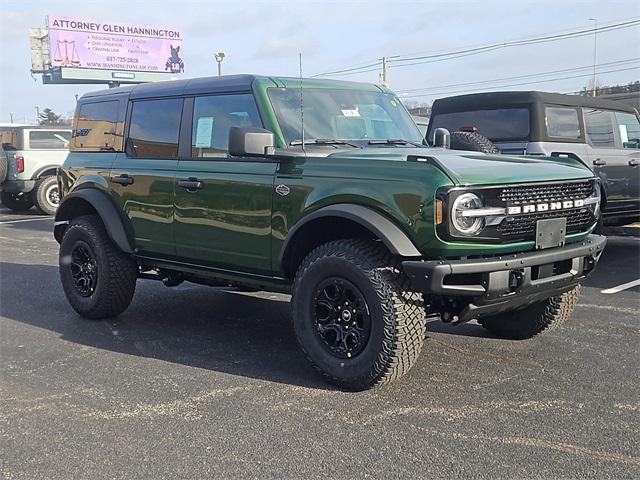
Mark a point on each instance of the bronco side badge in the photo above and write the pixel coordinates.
(282, 190)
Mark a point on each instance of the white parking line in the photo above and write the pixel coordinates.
(622, 287)
(26, 220)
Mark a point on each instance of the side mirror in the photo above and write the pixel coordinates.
(441, 138)
(250, 142)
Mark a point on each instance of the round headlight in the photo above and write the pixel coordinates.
(467, 225)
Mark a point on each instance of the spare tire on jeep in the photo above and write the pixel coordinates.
(472, 141)
(3, 164)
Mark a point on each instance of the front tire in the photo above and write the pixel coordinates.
(354, 316)
(19, 202)
(46, 196)
(98, 279)
(535, 319)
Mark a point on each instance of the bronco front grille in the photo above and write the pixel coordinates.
(524, 194)
(523, 226)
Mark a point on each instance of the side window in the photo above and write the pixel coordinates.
(97, 127)
(599, 127)
(49, 139)
(629, 128)
(213, 116)
(154, 128)
(562, 122)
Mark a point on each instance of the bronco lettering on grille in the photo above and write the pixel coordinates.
(543, 207)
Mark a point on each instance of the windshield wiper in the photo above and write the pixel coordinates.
(323, 141)
(395, 141)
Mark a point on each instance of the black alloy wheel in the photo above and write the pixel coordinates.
(84, 269)
(342, 320)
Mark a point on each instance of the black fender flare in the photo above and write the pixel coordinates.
(105, 208)
(382, 227)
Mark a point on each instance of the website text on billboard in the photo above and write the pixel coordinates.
(82, 43)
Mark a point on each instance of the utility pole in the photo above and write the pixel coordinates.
(595, 51)
(385, 69)
(385, 80)
(219, 58)
(11, 116)
(37, 114)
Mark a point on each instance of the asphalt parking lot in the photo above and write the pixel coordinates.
(195, 382)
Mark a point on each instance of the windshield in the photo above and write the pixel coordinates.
(348, 115)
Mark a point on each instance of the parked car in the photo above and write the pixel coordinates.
(214, 181)
(30, 158)
(602, 134)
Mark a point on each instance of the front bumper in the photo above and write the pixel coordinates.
(18, 186)
(508, 282)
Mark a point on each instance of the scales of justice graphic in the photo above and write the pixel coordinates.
(66, 61)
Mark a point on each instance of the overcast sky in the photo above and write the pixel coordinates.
(265, 38)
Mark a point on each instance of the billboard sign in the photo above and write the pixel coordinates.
(82, 43)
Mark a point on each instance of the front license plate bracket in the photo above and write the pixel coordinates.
(551, 233)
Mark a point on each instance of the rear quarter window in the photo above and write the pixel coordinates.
(496, 124)
(97, 127)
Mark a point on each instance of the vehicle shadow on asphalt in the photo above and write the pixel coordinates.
(32, 212)
(464, 329)
(44, 225)
(196, 326)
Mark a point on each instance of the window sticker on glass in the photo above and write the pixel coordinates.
(624, 135)
(351, 112)
(204, 129)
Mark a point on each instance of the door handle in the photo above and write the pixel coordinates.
(599, 162)
(191, 185)
(123, 179)
(634, 162)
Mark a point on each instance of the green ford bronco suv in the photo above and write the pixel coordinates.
(323, 189)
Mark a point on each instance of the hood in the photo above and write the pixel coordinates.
(475, 168)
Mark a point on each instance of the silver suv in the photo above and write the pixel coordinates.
(602, 134)
(29, 158)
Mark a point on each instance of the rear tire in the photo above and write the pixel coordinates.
(98, 279)
(20, 202)
(46, 196)
(354, 316)
(535, 319)
(472, 141)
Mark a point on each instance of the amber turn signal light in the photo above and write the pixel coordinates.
(439, 208)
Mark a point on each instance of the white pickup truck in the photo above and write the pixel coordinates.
(29, 158)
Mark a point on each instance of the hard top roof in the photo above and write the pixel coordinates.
(223, 84)
(499, 99)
